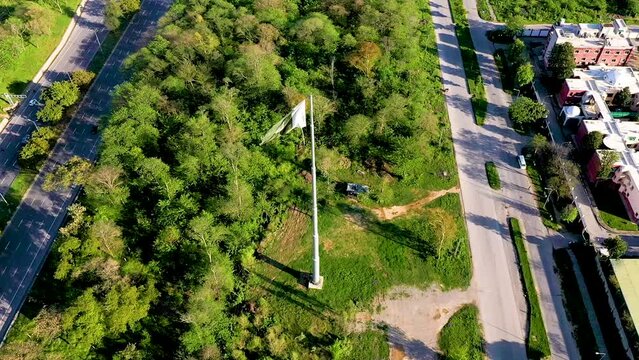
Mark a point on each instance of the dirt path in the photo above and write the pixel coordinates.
(392, 212)
(415, 318)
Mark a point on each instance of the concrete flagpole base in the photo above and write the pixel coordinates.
(317, 286)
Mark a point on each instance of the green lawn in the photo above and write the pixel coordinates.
(493, 175)
(469, 58)
(19, 186)
(617, 222)
(461, 338)
(537, 345)
(15, 79)
(361, 258)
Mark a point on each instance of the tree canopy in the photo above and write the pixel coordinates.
(526, 111)
(155, 262)
(562, 61)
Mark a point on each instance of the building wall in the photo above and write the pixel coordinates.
(568, 95)
(629, 193)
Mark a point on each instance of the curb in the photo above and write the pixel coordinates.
(65, 38)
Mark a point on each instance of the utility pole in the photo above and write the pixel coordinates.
(317, 281)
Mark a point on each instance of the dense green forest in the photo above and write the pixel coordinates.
(550, 11)
(161, 257)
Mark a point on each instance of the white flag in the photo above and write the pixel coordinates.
(299, 116)
(292, 120)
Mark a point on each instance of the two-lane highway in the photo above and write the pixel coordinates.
(28, 238)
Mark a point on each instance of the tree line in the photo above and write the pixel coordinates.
(154, 262)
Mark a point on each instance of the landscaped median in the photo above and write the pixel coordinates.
(537, 345)
(493, 175)
(469, 58)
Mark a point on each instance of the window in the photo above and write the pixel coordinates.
(587, 51)
(576, 51)
(582, 59)
(627, 51)
(617, 52)
(607, 51)
(614, 60)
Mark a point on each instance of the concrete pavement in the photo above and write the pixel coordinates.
(496, 278)
(495, 281)
(540, 240)
(27, 240)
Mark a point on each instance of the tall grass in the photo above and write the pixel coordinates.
(461, 337)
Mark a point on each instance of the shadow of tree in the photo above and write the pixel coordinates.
(389, 230)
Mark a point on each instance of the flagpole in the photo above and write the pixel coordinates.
(317, 282)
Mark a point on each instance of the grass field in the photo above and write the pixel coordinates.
(549, 11)
(361, 257)
(18, 187)
(461, 337)
(537, 345)
(574, 303)
(611, 208)
(492, 175)
(15, 79)
(471, 66)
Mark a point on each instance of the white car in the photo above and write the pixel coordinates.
(521, 161)
(34, 102)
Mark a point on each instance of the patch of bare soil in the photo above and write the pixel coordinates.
(415, 318)
(392, 212)
(291, 232)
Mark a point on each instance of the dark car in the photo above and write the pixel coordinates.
(354, 189)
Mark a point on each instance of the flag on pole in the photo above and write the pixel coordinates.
(292, 120)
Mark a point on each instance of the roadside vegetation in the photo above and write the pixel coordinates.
(461, 337)
(537, 345)
(29, 31)
(483, 8)
(493, 175)
(579, 11)
(546, 209)
(587, 258)
(469, 58)
(14, 195)
(574, 303)
(184, 243)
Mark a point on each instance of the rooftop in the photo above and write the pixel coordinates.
(617, 34)
(626, 271)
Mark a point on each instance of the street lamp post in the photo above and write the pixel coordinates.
(34, 123)
(600, 353)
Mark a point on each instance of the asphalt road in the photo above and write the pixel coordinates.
(496, 279)
(27, 240)
(78, 51)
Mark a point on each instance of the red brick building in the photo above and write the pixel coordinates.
(596, 44)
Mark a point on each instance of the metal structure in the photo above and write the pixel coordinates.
(10, 98)
(317, 281)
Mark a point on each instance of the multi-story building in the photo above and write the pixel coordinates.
(621, 137)
(606, 80)
(596, 44)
